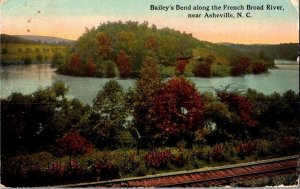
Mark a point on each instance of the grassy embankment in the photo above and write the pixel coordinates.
(221, 64)
(34, 53)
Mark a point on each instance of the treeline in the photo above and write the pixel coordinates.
(284, 51)
(154, 114)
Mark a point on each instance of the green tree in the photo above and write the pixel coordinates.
(57, 60)
(108, 115)
(147, 86)
(28, 120)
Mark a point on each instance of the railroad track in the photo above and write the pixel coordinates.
(215, 176)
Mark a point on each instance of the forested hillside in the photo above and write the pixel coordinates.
(286, 51)
(118, 49)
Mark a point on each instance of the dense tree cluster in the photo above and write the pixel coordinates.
(203, 67)
(127, 44)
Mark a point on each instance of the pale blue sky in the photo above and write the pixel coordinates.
(68, 18)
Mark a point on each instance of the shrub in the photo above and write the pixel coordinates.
(259, 67)
(180, 66)
(245, 149)
(217, 152)
(141, 170)
(56, 170)
(202, 70)
(288, 144)
(105, 171)
(158, 159)
(197, 152)
(206, 154)
(263, 147)
(73, 144)
(127, 162)
(76, 171)
(240, 66)
(230, 152)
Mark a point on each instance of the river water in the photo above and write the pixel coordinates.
(28, 78)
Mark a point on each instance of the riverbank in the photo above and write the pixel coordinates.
(287, 66)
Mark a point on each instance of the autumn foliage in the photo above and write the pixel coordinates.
(202, 70)
(157, 159)
(104, 45)
(73, 144)
(217, 152)
(151, 43)
(75, 63)
(246, 149)
(90, 67)
(181, 65)
(123, 64)
(238, 104)
(177, 107)
(240, 66)
(259, 67)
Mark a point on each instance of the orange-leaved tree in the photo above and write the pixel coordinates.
(177, 109)
(123, 64)
(72, 144)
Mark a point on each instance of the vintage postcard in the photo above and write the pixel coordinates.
(156, 93)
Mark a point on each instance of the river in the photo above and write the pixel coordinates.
(28, 78)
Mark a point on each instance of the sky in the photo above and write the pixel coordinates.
(69, 18)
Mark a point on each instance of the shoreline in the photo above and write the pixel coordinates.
(287, 66)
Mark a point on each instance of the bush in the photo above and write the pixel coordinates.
(288, 144)
(245, 149)
(229, 152)
(217, 153)
(206, 154)
(158, 159)
(56, 170)
(141, 170)
(259, 67)
(73, 144)
(263, 147)
(127, 162)
(202, 70)
(105, 171)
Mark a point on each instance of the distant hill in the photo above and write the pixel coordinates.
(33, 39)
(287, 51)
(13, 39)
(45, 39)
